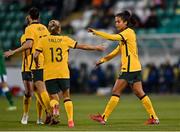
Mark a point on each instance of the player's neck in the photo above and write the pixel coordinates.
(34, 21)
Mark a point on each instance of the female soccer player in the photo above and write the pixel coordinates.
(28, 85)
(130, 68)
(55, 49)
(33, 33)
(3, 83)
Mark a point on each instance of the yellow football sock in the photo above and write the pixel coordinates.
(53, 102)
(26, 104)
(38, 98)
(148, 106)
(69, 109)
(110, 106)
(46, 101)
(39, 110)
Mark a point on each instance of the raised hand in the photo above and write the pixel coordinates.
(8, 53)
(99, 62)
(90, 30)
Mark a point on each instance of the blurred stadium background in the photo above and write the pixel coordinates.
(158, 31)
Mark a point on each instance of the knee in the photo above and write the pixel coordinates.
(139, 94)
(66, 94)
(115, 91)
(28, 94)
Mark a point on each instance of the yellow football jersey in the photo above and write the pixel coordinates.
(26, 56)
(34, 32)
(114, 53)
(55, 50)
(129, 52)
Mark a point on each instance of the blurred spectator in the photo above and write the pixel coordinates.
(74, 76)
(82, 4)
(145, 76)
(110, 75)
(162, 87)
(101, 76)
(83, 77)
(152, 21)
(68, 29)
(97, 3)
(143, 13)
(107, 18)
(93, 82)
(153, 79)
(169, 77)
(108, 4)
(67, 7)
(176, 70)
(95, 21)
(159, 4)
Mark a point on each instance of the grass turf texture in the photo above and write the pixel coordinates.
(129, 115)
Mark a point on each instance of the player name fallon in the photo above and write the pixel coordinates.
(55, 40)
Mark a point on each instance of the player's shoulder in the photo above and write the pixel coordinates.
(130, 30)
(127, 31)
(44, 38)
(34, 25)
(23, 37)
(29, 27)
(42, 25)
(66, 37)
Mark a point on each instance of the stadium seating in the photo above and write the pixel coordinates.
(12, 19)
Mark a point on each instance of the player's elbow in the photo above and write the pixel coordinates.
(35, 56)
(28, 44)
(81, 46)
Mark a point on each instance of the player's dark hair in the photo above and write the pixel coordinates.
(126, 16)
(34, 13)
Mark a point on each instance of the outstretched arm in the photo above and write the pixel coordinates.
(26, 45)
(90, 47)
(108, 57)
(114, 37)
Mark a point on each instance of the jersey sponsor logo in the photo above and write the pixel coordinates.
(41, 28)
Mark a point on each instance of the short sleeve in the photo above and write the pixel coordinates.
(29, 33)
(70, 42)
(23, 39)
(40, 45)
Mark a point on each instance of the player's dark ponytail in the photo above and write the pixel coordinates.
(127, 16)
(34, 13)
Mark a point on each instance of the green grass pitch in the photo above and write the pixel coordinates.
(129, 115)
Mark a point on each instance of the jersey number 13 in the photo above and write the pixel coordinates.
(56, 54)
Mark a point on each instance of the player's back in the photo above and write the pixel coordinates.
(55, 51)
(34, 32)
